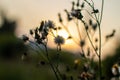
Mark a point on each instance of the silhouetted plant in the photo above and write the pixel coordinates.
(40, 38)
(90, 27)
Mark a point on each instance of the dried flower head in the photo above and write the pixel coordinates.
(77, 14)
(59, 40)
(50, 24)
(95, 11)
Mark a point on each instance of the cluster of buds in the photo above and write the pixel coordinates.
(40, 33)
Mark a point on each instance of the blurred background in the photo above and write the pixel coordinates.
(17, 17)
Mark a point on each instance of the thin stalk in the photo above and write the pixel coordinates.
(78, 30)
(102, 11)
(100, 67)
(51, 63)
(90, 40)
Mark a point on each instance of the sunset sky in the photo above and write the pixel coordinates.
(29, 13)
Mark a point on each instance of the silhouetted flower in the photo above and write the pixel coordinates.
(50, 24)
(59, 40)
(95, 11)
(77, 14)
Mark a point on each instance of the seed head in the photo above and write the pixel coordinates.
(59, 40)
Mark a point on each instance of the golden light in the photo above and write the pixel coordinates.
(65, 35)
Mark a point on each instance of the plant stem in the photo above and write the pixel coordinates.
(90, 40)
(51, 63)
(100, 67)
(78, 30)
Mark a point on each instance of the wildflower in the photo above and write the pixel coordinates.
(50, 24)
(77, 14)
(59, 40)
(95, 11)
